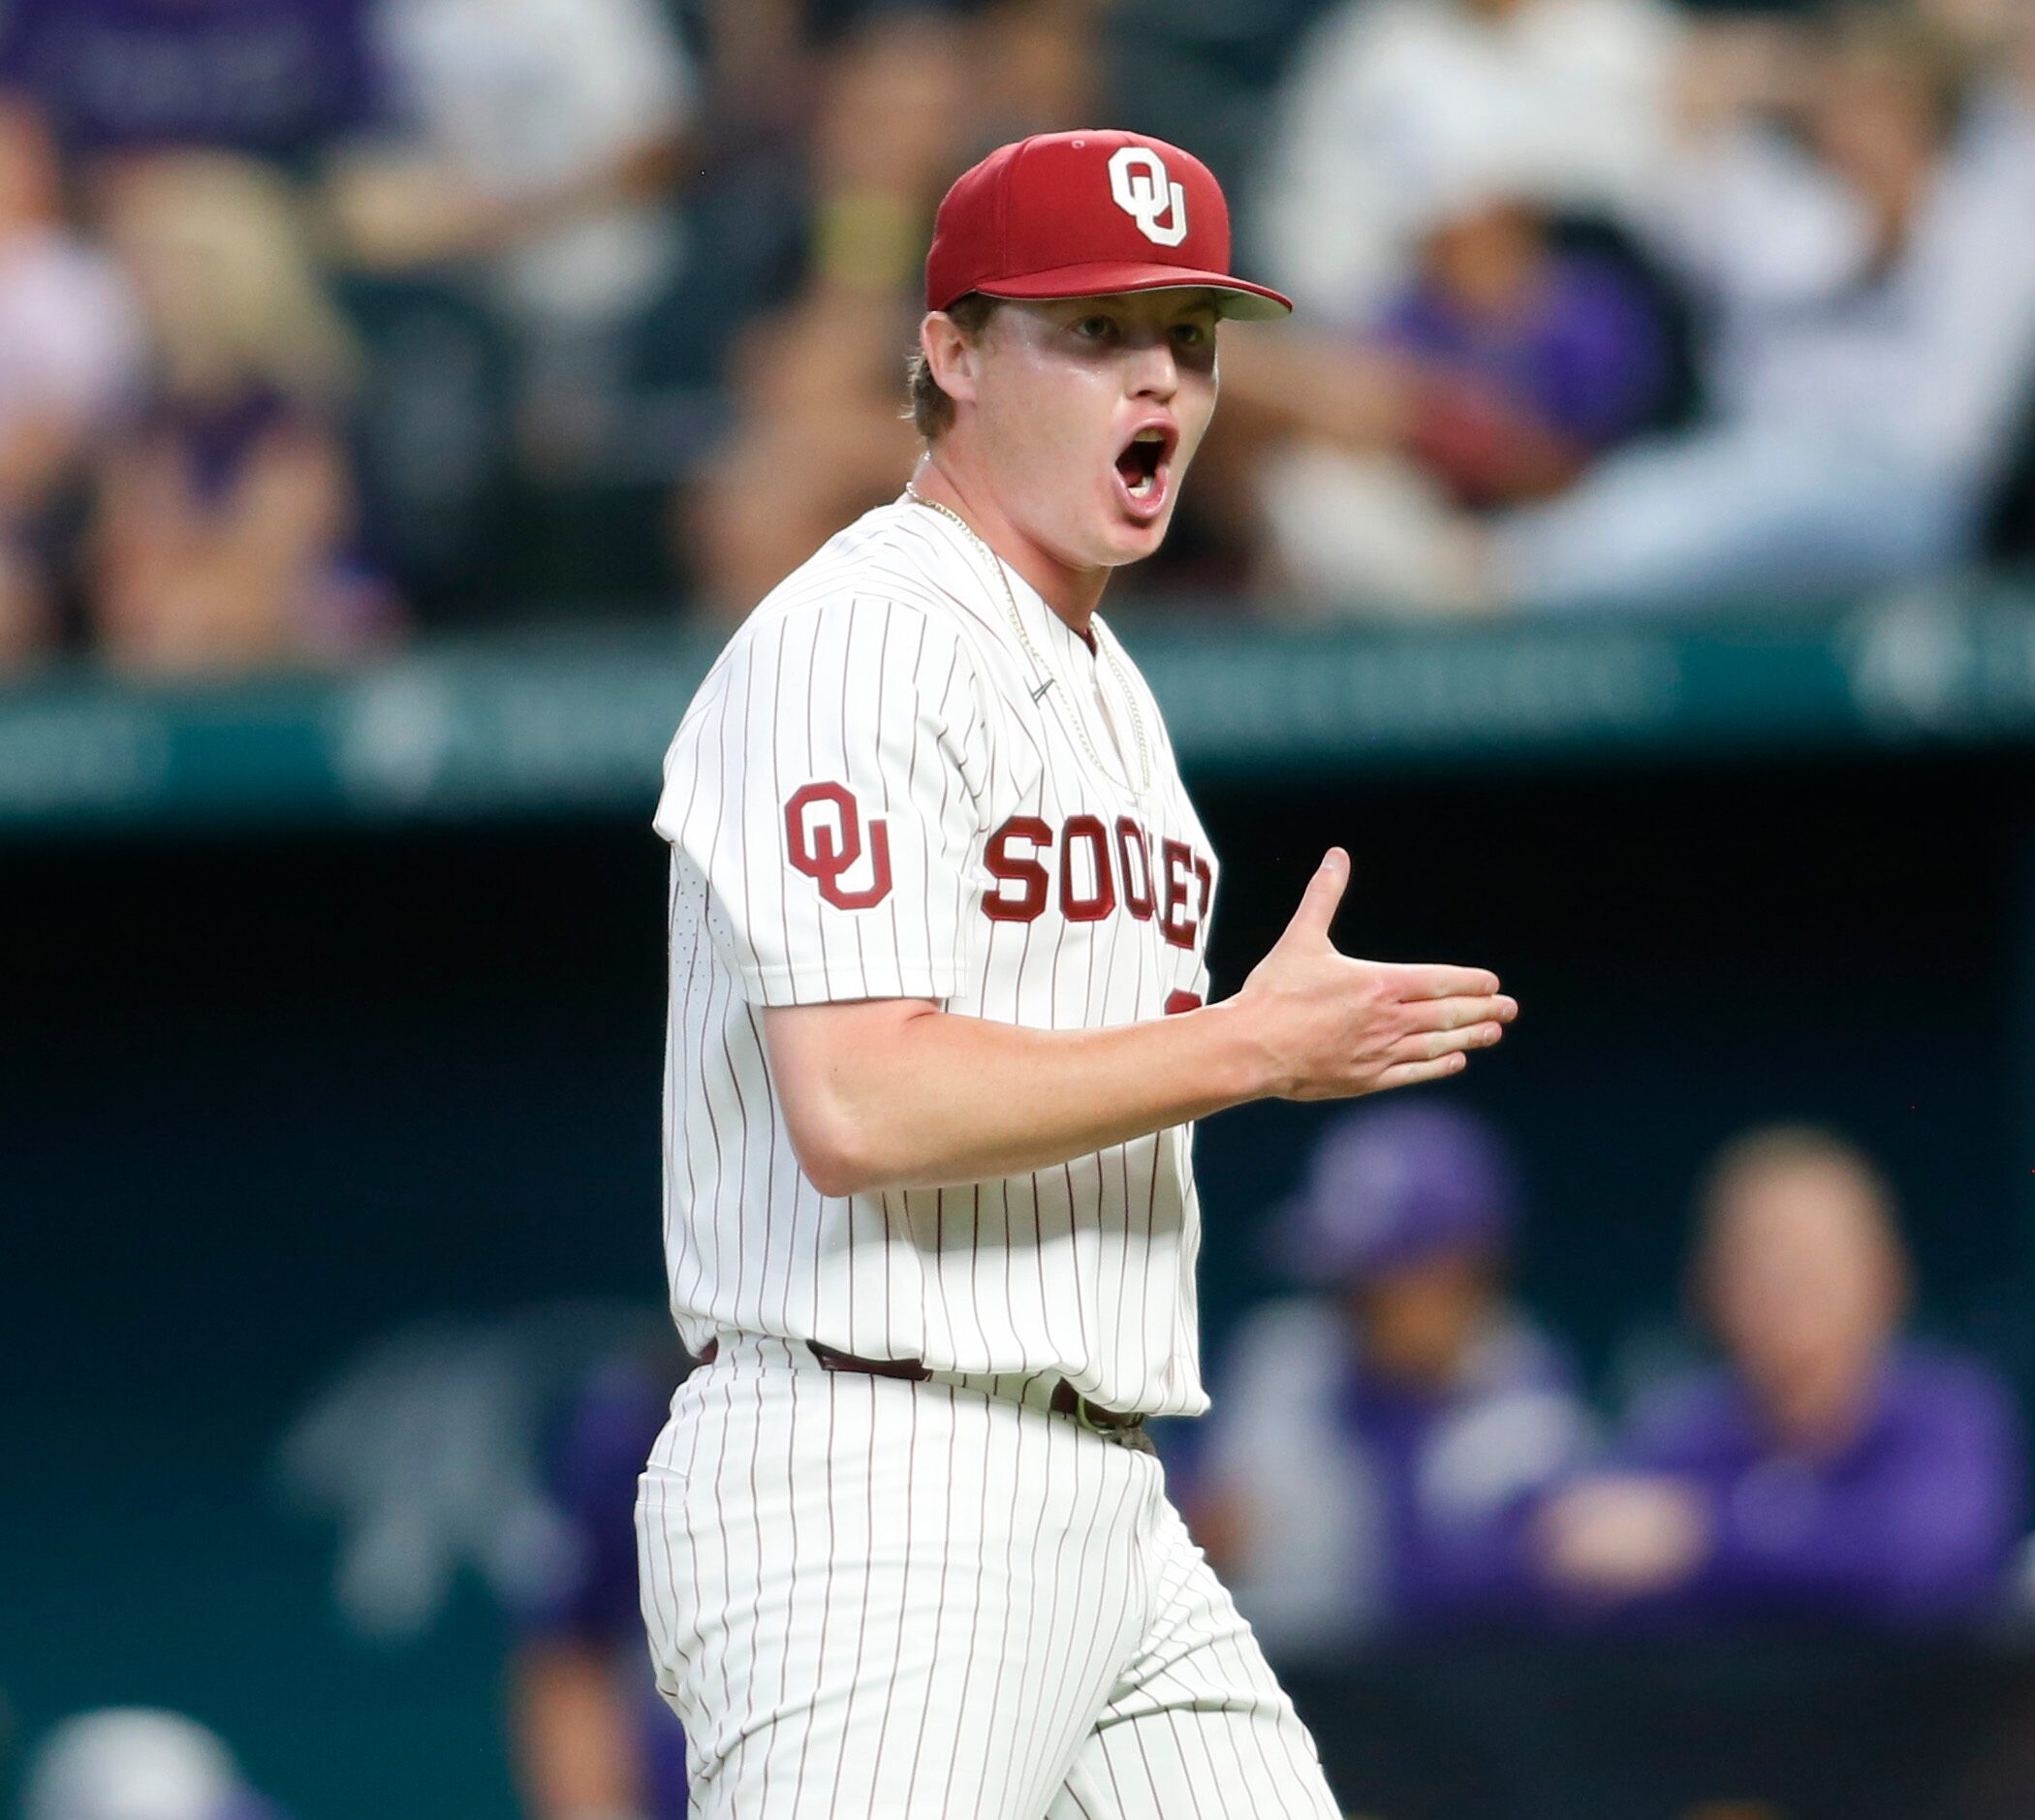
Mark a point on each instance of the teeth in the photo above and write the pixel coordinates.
(1150, 436)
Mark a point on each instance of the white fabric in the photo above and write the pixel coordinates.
(873, 1597)
(1400, 111)
(526, 96)
(887, 667)
(1762, 511)
(1928, 362)
(70, 339)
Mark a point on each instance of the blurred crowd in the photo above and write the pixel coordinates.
(327, 321)
(1403, 1451)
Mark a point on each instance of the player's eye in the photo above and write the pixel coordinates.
(1095, 328)
(1191, 334)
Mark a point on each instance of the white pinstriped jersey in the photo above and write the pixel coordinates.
(877, 793)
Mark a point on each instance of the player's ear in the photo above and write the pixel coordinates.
(950, 355)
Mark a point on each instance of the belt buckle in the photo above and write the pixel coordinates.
(1116, 1428)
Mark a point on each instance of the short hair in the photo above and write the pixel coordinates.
(1776, 1148)
(1767, 1148)
(930, 409)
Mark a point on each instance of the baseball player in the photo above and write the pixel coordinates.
(938, 1036)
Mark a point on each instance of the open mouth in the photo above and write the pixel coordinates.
(1140, 465)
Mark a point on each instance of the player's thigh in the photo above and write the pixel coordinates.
(1199, 1728)
(870, 1597)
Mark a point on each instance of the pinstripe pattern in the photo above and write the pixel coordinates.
(927, 1600)
(874, 1597)
(887, 665)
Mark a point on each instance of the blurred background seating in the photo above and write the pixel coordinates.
(224, 533)
(1607, 304)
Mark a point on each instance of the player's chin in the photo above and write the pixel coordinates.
(1130, 533)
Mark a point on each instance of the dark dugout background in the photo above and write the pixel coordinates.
(270, 1093)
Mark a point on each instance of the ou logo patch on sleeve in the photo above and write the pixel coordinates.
(828, 846)
(1142, 188)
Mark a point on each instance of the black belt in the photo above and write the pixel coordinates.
(1066, 1399)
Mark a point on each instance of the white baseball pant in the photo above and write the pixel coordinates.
(873, 1597)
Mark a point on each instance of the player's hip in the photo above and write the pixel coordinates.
(1120, 1335)
(811, 1539)
(768, 1436)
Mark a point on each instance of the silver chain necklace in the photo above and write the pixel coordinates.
(1038, 660)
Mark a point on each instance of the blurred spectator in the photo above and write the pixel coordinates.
(1872, 288)
(816, 387)
(914, 95)
(1830, 1469)
(1457, 349)
(132, 1763)
(1376, 1450)
(280, 79)
(1390, 98)
(517, 200)
(1847, 211)
(69, 350)
(819, 440)
(539, 136)
(224, 527)
(594, 1738)
(1506, 364)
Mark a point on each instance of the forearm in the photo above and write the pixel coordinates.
(576, 1752)
(945, 1099)
(392, 210)
(896, 1093)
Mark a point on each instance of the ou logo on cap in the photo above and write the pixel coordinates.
(1141, 187)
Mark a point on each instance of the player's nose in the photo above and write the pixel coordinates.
(1152, 372)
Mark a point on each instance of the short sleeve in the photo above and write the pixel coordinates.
(822, 787)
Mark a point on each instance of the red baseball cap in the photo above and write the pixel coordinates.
(1089, 214)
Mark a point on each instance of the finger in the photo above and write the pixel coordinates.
(1427, 1044)
(1322, 898)
(1455, 1014)
(1410, 1073)
(1442, 982)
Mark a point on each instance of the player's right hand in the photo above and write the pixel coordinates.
(1331, 1027)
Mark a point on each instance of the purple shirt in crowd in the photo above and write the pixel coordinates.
(1590, 360)
(1364, 1506)
(275, 78)
(606, 1439)
(1911, 1525)
(1452, 1558)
